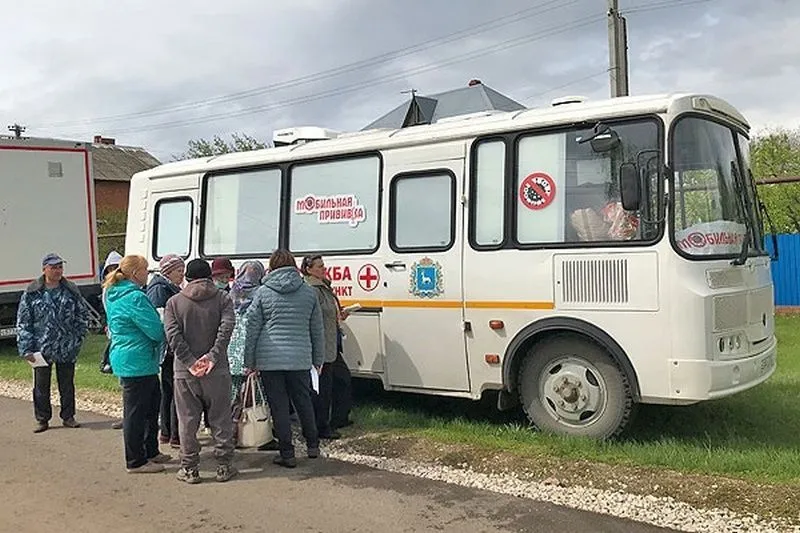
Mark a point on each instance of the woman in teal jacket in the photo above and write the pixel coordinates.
(136, 339)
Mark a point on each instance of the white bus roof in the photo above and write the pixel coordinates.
(453, 129)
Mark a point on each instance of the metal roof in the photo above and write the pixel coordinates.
(113, 162)
(427, 109)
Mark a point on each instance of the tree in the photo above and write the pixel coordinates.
(241, 142)
(776, 154)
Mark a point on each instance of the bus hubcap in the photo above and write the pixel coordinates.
(573, 391)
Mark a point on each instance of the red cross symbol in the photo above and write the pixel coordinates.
(368, 277)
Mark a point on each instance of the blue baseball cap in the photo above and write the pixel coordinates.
(52, 260)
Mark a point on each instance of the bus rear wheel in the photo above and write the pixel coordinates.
(569, 385)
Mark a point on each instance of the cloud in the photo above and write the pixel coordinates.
(68, 66)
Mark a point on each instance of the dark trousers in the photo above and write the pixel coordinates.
(341, 393)
(42, 376)
(168, 414)
(322, 401)
(141, 398)
(290, 386)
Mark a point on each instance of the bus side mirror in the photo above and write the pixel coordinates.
(630, 187)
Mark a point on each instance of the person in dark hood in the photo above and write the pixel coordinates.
(199, 323)
(162, 286)
(283, 340)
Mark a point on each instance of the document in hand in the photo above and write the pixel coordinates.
(315, 380)
(39, 361)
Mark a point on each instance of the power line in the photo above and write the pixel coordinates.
(471, 31)
(374, 81)
(390, 77)
(664, 4)
(573, 82)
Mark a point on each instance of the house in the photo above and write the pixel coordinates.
(114, 165)
(474, 98)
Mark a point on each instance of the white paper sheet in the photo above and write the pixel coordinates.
(39, 362)
(315, 380)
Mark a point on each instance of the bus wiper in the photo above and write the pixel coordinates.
(740, 193)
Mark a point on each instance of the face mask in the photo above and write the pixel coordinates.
(220, 284)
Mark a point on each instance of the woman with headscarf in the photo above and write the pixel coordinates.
(247, 281)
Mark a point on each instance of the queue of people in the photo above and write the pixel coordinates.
(183, 343)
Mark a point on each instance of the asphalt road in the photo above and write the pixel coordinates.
(74, 480)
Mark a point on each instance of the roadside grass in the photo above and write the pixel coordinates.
(87, 373)
(754, 435)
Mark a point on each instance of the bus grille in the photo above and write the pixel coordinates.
(595, 281)
(730, 311)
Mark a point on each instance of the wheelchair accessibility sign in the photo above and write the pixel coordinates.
(426, 279)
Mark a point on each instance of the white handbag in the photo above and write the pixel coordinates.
(255, 423)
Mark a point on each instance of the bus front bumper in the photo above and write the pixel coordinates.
(692, 380)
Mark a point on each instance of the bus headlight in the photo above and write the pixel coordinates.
(731, 344)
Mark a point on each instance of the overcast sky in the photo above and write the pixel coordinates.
(155, 74)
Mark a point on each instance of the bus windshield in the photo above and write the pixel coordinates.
(714, 207)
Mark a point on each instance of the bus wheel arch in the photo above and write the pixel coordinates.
(596, 357)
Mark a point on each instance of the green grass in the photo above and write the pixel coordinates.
(87, 369)
(753, 435)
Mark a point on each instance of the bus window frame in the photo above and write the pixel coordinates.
(512, 139)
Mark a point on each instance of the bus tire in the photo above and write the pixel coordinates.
(570, 385)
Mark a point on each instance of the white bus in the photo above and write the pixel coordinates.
(580, 258)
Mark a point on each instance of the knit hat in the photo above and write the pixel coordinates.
(197, 269)
(222, 265)
(170, 263)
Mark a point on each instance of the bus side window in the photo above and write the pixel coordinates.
(172, 227)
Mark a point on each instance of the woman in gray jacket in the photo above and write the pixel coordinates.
(329, 404)
(284, 338)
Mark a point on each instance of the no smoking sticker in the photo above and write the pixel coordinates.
(537, 191)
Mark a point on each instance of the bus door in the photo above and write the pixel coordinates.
(422, 314)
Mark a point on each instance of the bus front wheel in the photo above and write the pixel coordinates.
(569, 385)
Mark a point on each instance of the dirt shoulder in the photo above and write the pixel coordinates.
(701, 491)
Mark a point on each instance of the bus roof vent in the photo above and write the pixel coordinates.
(303, 134)
(574, 99)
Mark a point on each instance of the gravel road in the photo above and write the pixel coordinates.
(547, 504)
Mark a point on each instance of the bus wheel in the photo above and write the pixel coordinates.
(571, 386)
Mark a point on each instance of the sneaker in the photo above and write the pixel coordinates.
(188, 475)
(147, 468)
(271, 446)
(286, 462)
(175, 444)
(41, 426)
(225, 473)
(161, 458)
(71, 423)
(313, 453)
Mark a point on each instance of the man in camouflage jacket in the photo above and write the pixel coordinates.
(52, 319)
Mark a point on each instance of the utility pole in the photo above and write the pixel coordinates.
(617, 50)
(17, 129)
